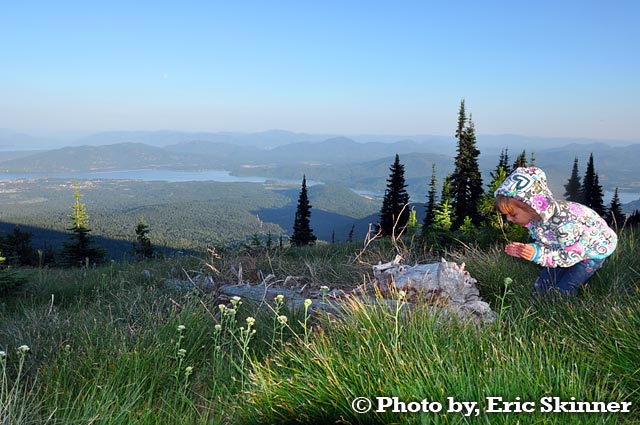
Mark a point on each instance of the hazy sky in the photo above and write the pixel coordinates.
(545, 68)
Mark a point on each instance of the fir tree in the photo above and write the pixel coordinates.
(588, 182)
(598, 198)
(615, 216)
(487, 209)
(591, 189)
(142, 247)
(431, 201)
(302, 231)
(350, 237)
(573, 188)
(466, 181)
(394, 213)
(17, 248)
(503, 163)
(80, 249)
(521, 161)
(443, 218)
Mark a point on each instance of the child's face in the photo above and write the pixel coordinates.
(521, 215)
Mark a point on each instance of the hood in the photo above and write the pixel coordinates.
(529, 185)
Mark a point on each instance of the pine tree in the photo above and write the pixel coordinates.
(487, 209)
(466, 181)
(634, 218)
(521, 161)
(80, 249)
(592, 190)
(394, 213)
(350, 237)
(142, 247)
(598, 198)
(615, 216)
(443, 218)
(503, 163)
(17, 248)
(588, 182)
(302, 231)
(431, 201)
(573, 188)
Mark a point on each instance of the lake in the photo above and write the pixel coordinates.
(161, 175)
(153, 175)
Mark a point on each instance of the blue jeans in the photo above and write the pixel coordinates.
(565, 279)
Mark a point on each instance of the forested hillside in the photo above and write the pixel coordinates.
(181, 215)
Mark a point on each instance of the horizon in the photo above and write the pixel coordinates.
(47, 141)
(355, 68)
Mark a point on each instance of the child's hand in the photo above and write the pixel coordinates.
(521, 250)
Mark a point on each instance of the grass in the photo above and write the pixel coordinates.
(116, 345)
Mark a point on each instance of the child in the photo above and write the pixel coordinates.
(570, 240)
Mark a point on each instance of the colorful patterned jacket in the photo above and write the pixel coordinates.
(568, 232)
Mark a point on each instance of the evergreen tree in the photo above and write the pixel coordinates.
(503, 164)
(588, 182)
(394, 212)
(445, 193)
(350, 237)
(592, 190)
(573, 188)
(431, 201)
(302, 231)
(142, 247)
(634, 218)
(615, 216)
(466, 181)
(80, 249)
(598, 198)
(443, 218)
(521, 161)
(17, 248)
(487, 209)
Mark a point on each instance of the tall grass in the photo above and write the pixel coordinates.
(117, 345)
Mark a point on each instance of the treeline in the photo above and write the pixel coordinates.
(464, 211)
(192, 215)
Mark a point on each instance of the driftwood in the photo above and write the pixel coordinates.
(445, 286)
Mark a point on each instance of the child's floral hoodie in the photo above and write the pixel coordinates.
(568, 232)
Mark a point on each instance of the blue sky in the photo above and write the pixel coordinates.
(543, 68)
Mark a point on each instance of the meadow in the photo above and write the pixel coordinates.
(117, 345)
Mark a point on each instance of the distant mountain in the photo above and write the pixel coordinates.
(338, 160)
(263, 139)
(108, 157)
(16, 140)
